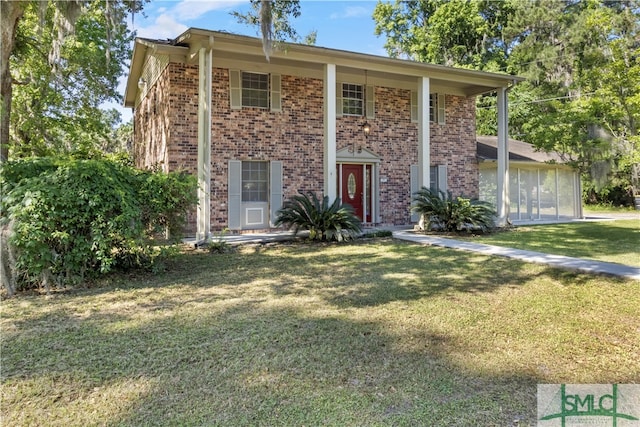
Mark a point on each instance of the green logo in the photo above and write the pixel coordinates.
(588, 404)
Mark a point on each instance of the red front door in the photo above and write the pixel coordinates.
(355, 192)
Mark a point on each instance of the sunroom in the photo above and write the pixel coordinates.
(541, 186)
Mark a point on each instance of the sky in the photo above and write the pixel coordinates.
(346, 25)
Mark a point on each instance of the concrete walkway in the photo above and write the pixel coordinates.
(560, 261)
(402, 233)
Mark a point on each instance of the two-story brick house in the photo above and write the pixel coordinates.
(368, 129)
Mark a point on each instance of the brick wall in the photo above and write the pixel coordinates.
(152, 127)
(295, 136)
(454, 144)
(394, 138)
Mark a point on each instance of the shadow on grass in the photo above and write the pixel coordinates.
(277, 336)
(251, 365)
(405, 272)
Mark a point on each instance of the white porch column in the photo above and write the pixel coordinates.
(204, 143)
(329, 159)
(424, 133)
(503, 158)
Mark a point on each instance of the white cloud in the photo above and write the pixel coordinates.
(172, 21)
(351, 12)
(193, 9)
(164, 27)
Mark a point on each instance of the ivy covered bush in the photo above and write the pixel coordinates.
(323, 220)
(67, 219)
(443, 212)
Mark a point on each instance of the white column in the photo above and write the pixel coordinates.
(204, 144)
(329, 159)
(424, 133)
(503, 158)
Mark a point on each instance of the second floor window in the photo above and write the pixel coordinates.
(255, 90)
(352, 99)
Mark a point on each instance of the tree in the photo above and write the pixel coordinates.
(454, 33)
(581, 63)
(64, 60)
(271, 17)
(10, 14)
(583, 68)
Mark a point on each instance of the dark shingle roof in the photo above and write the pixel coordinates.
(519, 151)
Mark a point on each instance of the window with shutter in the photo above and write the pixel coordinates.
(255, 90)
(352, 99)
(434, 104)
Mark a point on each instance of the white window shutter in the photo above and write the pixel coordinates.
(414, 106)
(370, 98)
(275, 191)
(442, 178)
(235, 88)
(235, 195)
(441, 108)
(338, 99)
(276, 92)
(414, 189)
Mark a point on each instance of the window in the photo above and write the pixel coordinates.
(436, 108)
(352, 99)
(433, 106)
(255, 90)
(255, 181)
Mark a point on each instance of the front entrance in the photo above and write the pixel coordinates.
(355, 189)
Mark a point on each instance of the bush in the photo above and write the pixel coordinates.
(166, 198)
(323, 220)
(71, 219)
(377, 233)
(443, 212)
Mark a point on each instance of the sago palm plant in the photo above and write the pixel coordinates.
(323, 220)
(443, 212)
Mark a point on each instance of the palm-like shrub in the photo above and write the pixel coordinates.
(443, 212)
(323, 220)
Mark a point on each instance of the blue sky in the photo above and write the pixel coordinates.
(346, 25)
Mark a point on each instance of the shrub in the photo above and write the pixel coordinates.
(218, 245)
(166, 198)
(377, 233)
(323, 220)
(443, 212)
(73, 218)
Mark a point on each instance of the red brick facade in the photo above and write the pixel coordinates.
(166, 135)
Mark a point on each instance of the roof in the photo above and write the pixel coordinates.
(244, 51)
(519, 151)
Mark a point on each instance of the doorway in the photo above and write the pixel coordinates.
(355, 189)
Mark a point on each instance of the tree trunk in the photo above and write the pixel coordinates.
(10, 13)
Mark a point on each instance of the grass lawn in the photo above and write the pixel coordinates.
(369, 333)
(610, 241)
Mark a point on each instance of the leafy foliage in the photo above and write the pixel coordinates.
(66, 59)
(272, 18)
(323, 220)
(218, 245)
(77, 218)
(443, 212)
(582, 64)
(457, 32)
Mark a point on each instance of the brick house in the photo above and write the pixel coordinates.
(368, 129)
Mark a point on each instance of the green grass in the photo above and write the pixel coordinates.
(610, 241)
(370, 333)
(607, 208)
